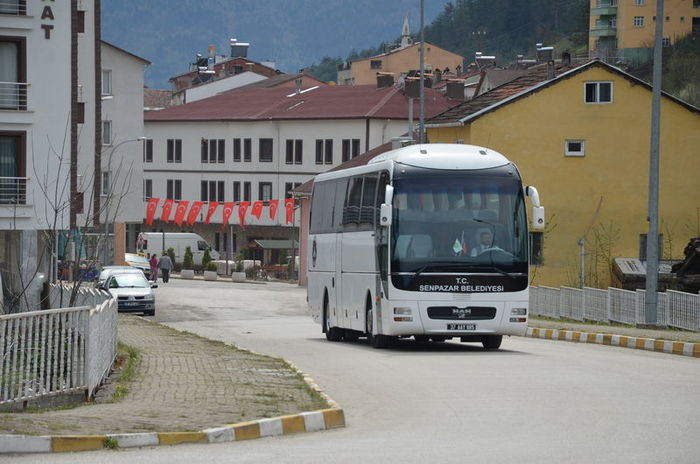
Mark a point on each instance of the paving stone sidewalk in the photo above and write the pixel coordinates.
(182, 383)
(668, 334)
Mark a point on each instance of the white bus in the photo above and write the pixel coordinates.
(427, 241)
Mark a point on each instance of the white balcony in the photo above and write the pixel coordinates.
(13, 190)
(13, 7)
(13, 95)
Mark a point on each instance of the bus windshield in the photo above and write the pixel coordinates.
(458, 221)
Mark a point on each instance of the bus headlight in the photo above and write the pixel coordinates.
(403, 310)
(518, 311)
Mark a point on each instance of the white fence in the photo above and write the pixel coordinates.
(674, 309)
(58, 350)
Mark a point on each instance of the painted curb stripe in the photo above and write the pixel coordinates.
(293, 424)
(246, 431)
(333, 418)
(649, 344)
(77, 443)
(135, 440)
(24, 444)
(174, 438)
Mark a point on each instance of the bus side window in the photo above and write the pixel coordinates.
(369, 195)
(340, 186)
(351, 213)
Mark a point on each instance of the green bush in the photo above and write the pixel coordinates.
(239, 263)
(171, 253)
(188, 261)
(210, 267)
(206, 258)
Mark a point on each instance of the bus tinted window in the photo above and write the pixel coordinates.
(322, 207)
(368, 197)
(351, 214)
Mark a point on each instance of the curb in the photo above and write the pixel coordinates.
(305, 422)
(638, 343)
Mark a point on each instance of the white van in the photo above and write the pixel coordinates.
(157, 242)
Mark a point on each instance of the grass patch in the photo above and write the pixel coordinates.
(110, 443)
(132, 358)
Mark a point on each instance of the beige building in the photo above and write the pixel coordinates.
(625, 28)
(398, 61)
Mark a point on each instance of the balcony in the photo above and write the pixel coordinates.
(603, 8)
(13, 7)
(604, 30)
(13, 190)
(13, 95)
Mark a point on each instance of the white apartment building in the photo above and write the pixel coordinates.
(256, 144)
(50, 137)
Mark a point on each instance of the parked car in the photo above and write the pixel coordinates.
(109, 271)
(139, 262)
(157, 242)
(133, 292)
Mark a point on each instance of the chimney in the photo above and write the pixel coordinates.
(566, 58)
(544, 54)
(437, 76)
(249, 66)
(384, 80)
(239, 49)
(297, 82)
(211, 59)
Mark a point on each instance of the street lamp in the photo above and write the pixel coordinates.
(108, 196)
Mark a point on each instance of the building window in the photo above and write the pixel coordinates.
(294, 152)
(288, 187)
(174, 154)
(12, 167)
(213, 151)
(666, 42)
(148, 151)
(106, 82)
(319, 151)
(639, 21)
(639, 2)
(236, 150)
(246, 191)
(174, 189)
(147, 189)
(598, 92)
(265, 191)
(13, 88)
(212, 190)
(247, 150)
(106, 132)
(375, 64)
(13, 7)
(682, 19)
(105, 183)
(236, 191)
(612, 22)
(328, 155)
(351, 149)
(574, 148)
(536, 248)
(265, 150)
(668, 18)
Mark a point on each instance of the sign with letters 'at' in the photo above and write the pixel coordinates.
(47, 14)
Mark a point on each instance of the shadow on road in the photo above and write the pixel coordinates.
(411, 347)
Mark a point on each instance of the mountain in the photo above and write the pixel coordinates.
(292, 33)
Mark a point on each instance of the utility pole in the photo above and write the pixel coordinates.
(653, 217)
(421, 125)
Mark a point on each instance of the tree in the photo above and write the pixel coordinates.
(188, 261)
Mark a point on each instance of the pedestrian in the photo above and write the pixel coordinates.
(165, 264)
(154, 267)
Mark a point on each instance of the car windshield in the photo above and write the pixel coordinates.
(136, 259)
(128, 281)
(458, 221)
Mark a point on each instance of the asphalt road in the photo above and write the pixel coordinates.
(533, 401)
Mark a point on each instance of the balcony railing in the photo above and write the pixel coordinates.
(13, 95)
(13, 7)
(13, 190)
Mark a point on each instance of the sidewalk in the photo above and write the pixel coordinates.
(182, 382)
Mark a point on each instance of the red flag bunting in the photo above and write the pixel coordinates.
(289, 206)
(257, 209)
(213, 205)
(242, 208)
(273, 208)
(194, 212)
(228, 209)
(180, 212)
(167, 208)
(151, 210)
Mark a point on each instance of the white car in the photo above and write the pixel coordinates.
(133, 292)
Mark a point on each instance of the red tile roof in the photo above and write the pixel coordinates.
(322, 102)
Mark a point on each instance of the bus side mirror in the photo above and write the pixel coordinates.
(538, 217)
(389, 194)
(385, 215)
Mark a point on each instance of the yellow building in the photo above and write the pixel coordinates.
(582, 138)
(400, 60)
(625, 28)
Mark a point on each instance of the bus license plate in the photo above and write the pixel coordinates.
(461, 326)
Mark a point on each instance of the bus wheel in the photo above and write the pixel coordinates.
(333, 334)
(492, 342)
(377, 341)
(350, 335)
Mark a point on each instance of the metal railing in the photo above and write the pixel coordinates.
(13, 95)
(674, 309)
(13, 190)
(58, 350)
(13, 7)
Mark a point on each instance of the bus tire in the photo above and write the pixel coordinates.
(376, 341)
(492, 342)
(333, 334)
(350, 335)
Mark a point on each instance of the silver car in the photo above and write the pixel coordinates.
(109, 271)
(133, 292)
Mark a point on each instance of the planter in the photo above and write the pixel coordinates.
(187, 274)
(210, 275)
(240, 276)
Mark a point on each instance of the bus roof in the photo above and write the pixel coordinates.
(444, 156)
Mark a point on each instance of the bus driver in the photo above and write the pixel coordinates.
(484, 239)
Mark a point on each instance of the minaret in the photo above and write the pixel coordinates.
(406, 33)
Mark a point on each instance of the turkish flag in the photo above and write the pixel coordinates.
(194, 212)
(257, 209)
(165, 214)
(212, 209)
(289, 206)
(273, 208)
(242, 208)
(228, 209)
(180, 212)
(151, 210)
